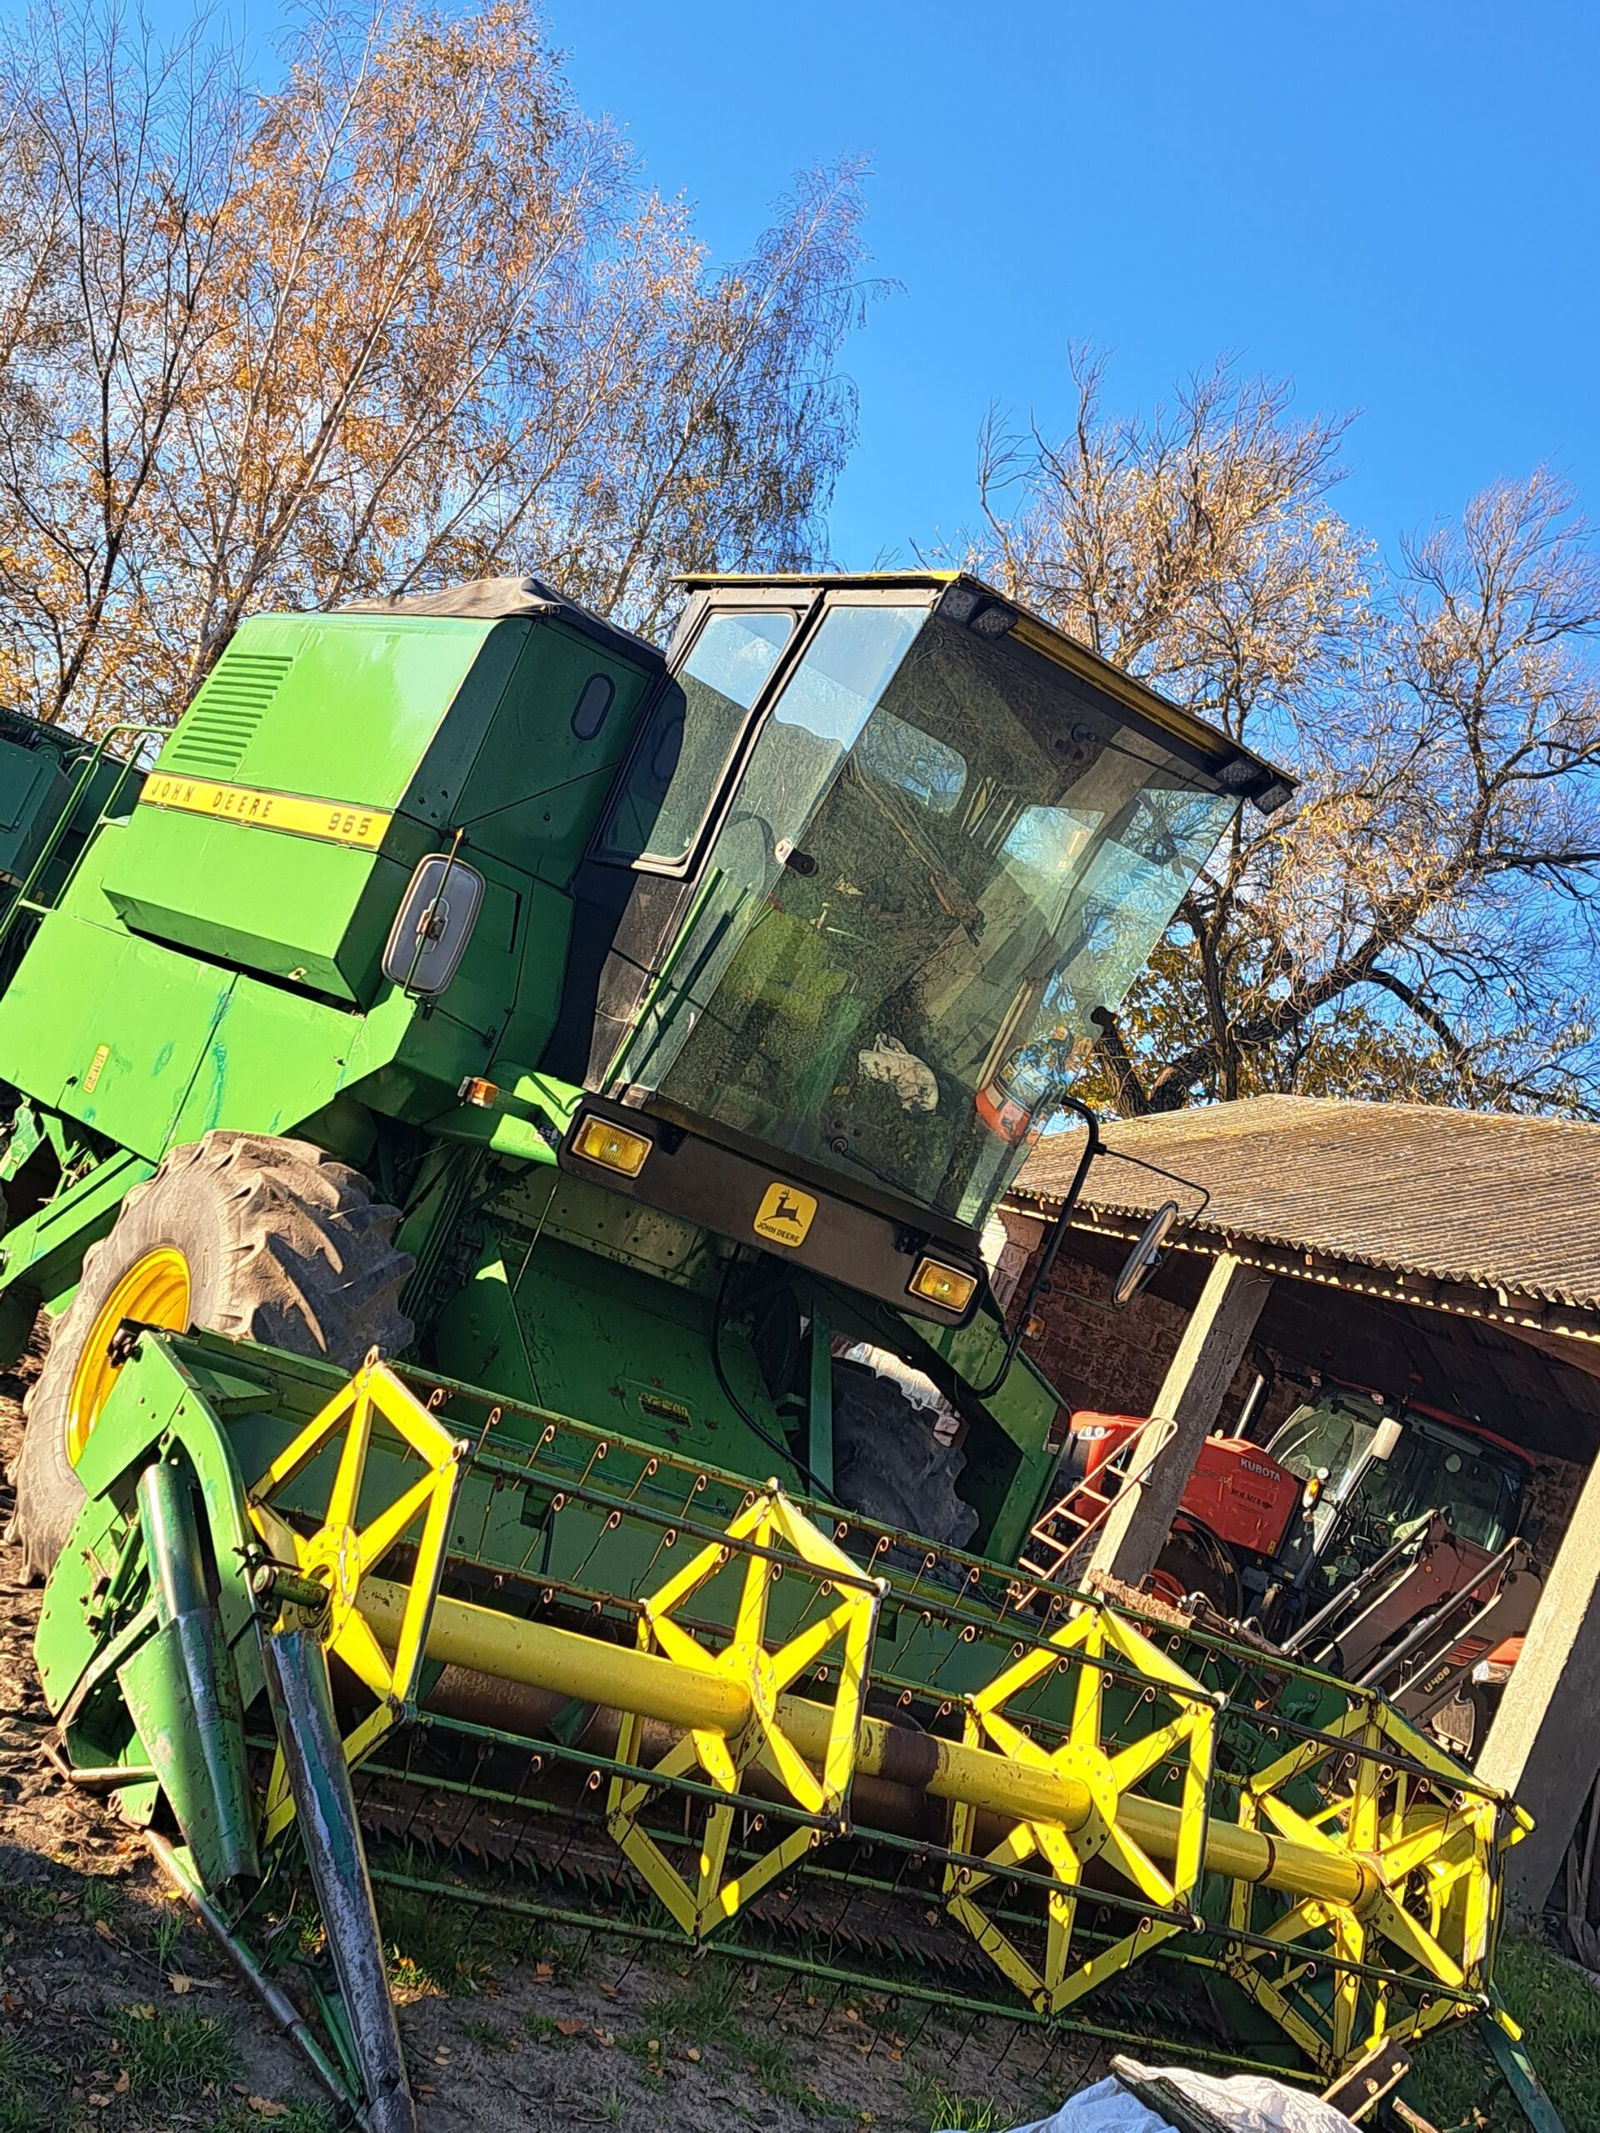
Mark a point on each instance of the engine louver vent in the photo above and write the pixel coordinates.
(219, 724)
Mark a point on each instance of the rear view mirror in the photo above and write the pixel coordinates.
(1145, 1257)
(433, 925)
(1385, 1437)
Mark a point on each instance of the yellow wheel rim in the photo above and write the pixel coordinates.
(155, 1291)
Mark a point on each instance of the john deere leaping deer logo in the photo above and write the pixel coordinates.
(784, 1215)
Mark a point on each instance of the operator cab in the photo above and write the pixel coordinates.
(884, 850)
(1371, 1487)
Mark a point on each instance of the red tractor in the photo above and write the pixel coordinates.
(1383, 1544)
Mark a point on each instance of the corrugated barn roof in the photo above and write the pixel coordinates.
(1470, 1197)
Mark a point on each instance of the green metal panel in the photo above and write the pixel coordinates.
(109, 1029)
(315, 914)
(538, 784)
(274, 1058)
(43, 1253)
(34, 787)
(343, 707)
(84, 896)
(270, 1059)
(570, 1331)
(515, 955)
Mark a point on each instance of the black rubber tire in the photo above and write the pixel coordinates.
(1196, 1561)
(889, 1465)
(284, 1246)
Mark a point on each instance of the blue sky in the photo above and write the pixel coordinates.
(1397, 206)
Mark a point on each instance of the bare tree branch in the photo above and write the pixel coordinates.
(1421, 925)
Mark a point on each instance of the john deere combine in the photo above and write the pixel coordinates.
(503, 1126)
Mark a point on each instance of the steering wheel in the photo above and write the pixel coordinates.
(1368, 1535)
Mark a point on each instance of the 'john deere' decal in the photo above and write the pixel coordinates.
(784, 1215)
(333, 821)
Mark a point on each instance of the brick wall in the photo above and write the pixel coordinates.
(1111, 1361)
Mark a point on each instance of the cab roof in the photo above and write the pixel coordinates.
(1237, 767)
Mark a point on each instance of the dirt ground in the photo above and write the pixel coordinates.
(117, 2013)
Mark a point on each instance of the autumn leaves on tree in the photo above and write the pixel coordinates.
(1420, 923)
(408, 315)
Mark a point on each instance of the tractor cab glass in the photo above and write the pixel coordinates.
(942, 856)
(693, 732)
(1367, 1504)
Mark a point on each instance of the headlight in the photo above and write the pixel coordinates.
(952, 1288)
(612, 1147)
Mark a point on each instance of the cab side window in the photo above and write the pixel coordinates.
(692, 735)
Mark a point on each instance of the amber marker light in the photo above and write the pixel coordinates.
(950, 1287)
(612, 1147)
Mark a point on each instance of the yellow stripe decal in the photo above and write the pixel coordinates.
(335, 821)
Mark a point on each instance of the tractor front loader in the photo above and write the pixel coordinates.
(502, 1127)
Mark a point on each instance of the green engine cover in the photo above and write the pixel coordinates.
(217, 959)
(324, 756)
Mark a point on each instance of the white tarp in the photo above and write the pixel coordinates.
(1245, 2103)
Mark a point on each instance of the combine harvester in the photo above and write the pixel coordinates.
(503, 1124)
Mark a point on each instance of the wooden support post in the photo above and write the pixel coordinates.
(1542, 1747)
(1213, 1343)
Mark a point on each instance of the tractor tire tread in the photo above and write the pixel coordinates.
(287, 1247)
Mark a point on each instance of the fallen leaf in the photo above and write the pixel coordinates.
(610, 1991)
(178, 1982)
(692, 2051)
(427, 2094)
(544, 1972)
(441, 2057)
(571, 2028)
(144, 2012)
(104, 1931)
(265, 2107)
(604, 2039)
(121, 2085)
(97, 2103)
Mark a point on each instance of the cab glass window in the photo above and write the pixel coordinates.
(693, 732)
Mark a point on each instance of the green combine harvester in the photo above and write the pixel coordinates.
(502, 1124)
